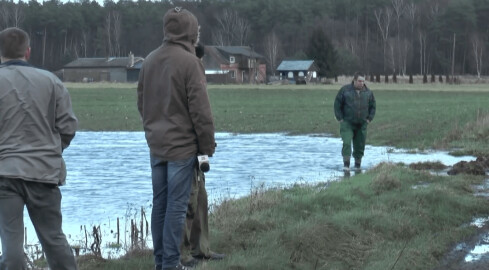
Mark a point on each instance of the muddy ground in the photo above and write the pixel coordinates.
(456, 259)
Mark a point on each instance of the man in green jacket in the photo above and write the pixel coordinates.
(354, 108)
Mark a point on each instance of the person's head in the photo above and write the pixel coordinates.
(358, 81)
(200, 50)
(180, 25)
(14, 44)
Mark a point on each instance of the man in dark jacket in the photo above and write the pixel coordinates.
(178, 124)
(354, 108)
(196, 230)
(36, 124)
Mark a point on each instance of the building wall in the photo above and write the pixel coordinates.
(95, 74)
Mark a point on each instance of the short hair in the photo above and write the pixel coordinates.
(14, 42)
(357, 74)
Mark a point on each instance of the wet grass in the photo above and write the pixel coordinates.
(408, 116)
(370, 221)
(391, 217)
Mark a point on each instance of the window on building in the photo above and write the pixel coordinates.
(301, 74)
(233, 73)
(290, 75)
(232, 60)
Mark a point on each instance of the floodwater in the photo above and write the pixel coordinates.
(109, 174)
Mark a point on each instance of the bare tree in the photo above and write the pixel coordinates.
(241, 31)
(116, 16)
(478, 48)
(422, 52)
(4, 15)
(272, 44)
(218, 38)
(17, 15)
(383, 17)
(108, 35)
(84, 43)
(411, 10)
(399, 9)
(231, 30)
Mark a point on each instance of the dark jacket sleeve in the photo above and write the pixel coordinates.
(371, 107)
(338, 105)
(200, 109)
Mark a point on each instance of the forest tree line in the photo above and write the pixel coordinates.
(372, 36)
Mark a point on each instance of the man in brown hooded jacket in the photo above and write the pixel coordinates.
(178, 124)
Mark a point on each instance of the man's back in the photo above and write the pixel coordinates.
(37, 123)
(174, 105)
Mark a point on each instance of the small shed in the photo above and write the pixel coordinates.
(111, 69)
(298, 71)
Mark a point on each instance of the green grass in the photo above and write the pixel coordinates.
(408, 116)
(391, 217)
(366, 222)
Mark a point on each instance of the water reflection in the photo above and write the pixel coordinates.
(109, 173)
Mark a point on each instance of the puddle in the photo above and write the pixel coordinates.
(109, 174)
(477, 253)
(482, 190)
(481, 249)
(479, 222)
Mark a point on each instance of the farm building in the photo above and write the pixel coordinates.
(112, 69)
(233, 64)
(298, 71)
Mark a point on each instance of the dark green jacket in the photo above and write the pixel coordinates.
(353, 107)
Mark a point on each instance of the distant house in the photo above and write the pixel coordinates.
(233, 64)
(112, 69)
(298, 71)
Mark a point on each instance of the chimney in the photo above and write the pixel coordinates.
(131, 59)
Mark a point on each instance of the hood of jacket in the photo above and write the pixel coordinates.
(181, 27)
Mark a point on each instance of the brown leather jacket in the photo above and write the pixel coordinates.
(172, 95)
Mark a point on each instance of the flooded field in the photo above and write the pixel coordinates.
(109, 173)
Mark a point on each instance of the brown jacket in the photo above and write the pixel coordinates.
(172, 94)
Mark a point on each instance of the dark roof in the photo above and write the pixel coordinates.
(295, 65)
(102, 62)
(238, 50)
(213, 58)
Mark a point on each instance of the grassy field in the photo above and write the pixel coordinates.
(391, 217)
(410, 116)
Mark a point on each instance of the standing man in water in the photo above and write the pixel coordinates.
(354, 108)
(178, 124)
(36, 124)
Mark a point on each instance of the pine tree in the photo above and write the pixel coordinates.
(323, 53)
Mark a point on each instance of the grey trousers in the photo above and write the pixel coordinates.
(44, 207)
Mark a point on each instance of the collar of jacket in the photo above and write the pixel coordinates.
(352, 85)
(16, 62)
(185, 45)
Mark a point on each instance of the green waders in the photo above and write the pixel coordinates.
(196, 232)
(353, 132)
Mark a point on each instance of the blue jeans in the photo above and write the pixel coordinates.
(172, 182)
